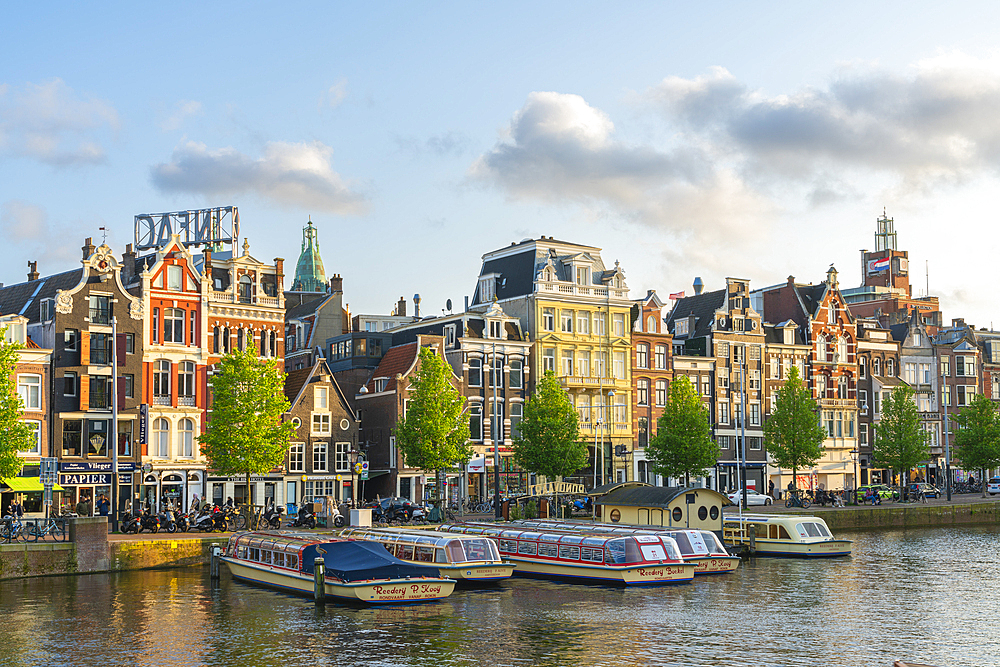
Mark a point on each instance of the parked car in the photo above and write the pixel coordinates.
(884, 492)
(993, 486)
(930, 491)
(397, 508)
(753, 498)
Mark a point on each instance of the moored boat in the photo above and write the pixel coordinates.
(784, 535)
(469, 559)
(627, 560)
(703, 548)
(356, 571)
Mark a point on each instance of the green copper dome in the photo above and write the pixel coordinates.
(309, 273)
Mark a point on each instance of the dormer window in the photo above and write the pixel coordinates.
(380, 384)
(582, 275)
(831, 313)
(487, 288)
(496, 329)
(175, 278)
(449, 335)
(681, 327)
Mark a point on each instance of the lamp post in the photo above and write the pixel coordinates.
(854, 490)
(610, 422)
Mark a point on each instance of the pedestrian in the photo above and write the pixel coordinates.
(16, 510)
(229, 501)
(81, 506)
(770, 489)
(103, 506)
(194, 503)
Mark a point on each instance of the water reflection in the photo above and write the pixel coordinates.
(921, 594)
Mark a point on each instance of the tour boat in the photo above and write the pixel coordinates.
(784, 535)
(701, 547)
(469, 559)
(627, 560)
(356, 571)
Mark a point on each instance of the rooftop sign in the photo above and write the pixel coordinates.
(208, 226)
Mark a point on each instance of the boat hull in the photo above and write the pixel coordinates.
(379, 592)
(473, 573)
(826, 549)
(713, 564)
(626, 575)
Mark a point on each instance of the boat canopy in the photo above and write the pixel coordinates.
(453, 548)
(361, 561)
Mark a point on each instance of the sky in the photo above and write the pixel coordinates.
(712, 139)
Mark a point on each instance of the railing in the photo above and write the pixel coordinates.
(161, 400)
(100, 356)
(100, 316)
(100, 400)
(187, 401)
(232, 297)
(585, 290)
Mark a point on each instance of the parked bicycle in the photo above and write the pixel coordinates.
(44, 527)
(794, 500)
(12, 530)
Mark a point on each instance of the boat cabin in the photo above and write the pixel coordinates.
(664, 507)
(783, 535)
(424, 546)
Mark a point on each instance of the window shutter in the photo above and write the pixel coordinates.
(84, 392)
(84, 348)
(120, 349)
(121, 392)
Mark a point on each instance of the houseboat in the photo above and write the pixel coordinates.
(783, 535)
(625, 560)
(356, 571)
(468, 559)
(701, 547)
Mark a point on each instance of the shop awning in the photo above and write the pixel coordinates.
(28, 485)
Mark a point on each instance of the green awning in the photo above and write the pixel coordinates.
(28, 485)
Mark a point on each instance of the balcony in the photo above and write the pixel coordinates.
(100, 356)
(185, 401)
(161, 400)
(100, 316)
(232, 297)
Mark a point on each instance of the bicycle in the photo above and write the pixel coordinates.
(12, 530)
(795, 501)
(57, 529)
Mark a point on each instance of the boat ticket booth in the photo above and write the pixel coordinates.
(667, 507)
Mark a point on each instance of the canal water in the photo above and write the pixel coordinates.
(928, 595)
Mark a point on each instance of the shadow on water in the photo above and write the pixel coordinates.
(918, 594)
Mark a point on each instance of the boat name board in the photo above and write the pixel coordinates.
(406, 591)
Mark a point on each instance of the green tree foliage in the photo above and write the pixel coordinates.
(900, 442)
(434, 432)
(792, 433)
(682, 445)
(978, 440)
(15, 435)
(245, 434)
(549, 440)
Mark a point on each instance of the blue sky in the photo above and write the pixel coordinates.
(685, 139)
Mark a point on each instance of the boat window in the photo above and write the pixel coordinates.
(698, 541)
(683, 543)
(266, 557)
(279, 558)
(527, 548)
(455, 553)
(591, 554)
(822, 530)
(478, 550)
(529, 536)
(439, 556)
(759, 529)
(803, 531)
(254, 554)
(405, 552)
(292, 561)
(615, 551)
(653, 552)
(567, 552)
(550, 550)
(389, 548)
(571, 539)
(424, 554)
(241, 552)
(671, 546)
(595, 541)
(508, 546)
(783, 534)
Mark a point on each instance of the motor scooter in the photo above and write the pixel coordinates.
(149, 521)
(167, 522)
(304, 519)
(271, 517)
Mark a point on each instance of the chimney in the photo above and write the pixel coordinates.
(128, 264)
(698, 286)
(401, 307)
(466, 304)
(33, 273)
(207, 254)
(279, 268)
(88, 247)
(791, 281)
(336, 283)
(416, 306)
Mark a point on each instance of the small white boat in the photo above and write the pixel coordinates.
(703, 548)
(784, 535)
(356, 571)
(469, 559)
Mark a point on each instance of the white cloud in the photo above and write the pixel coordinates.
(334, 96)
(289, 174)
(22, 221)
(181, 112)
(50, 123)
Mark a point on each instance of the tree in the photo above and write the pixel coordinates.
(549, 439)
(792, 433)
(978, 440)
(434, 432)
(15, 435)
(246, 434)
(682, 445)
(900, 442)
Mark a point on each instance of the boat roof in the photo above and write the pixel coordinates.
(428, 537)
(605, 527)
(357, 560)
(764, 518)
(542, 534)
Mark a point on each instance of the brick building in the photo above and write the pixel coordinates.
(652, 370)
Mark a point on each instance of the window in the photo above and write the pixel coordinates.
(723, 350)
(566, 321)
(496, 372)
(161, 380)
(227, 341)
(862, 434)
(216, 340)
(496, 329)
(863, 401)
(723, 441)
(321, 424)
(29, 388)
(71, 340)
(321, 398)
(738, 414)
(842, 386)
(100, 349)
(496, 420)
(651, 324)
(342, 452)
(706, 385)
(129, 386)
(70, 383)
(185, 381)
(319, 456)
(945, 370)
(161, 438)
(618, 359)
(475, 422)
(965, 366)
(567, 362)
(619, 324)
(723, 413)
(600, 324)
(841, 350)
(449, 335)
(924, 375)
(173, 325)
(775, 372)
(660, 358)
(192, 329)
(516, 413)
(582, 275)
(100, 309)
(723, 379)
(753, 414)
(241, 339)
(185, 438)
(875, 402)
(828, 420)
(753, 379)
(72, 437)
(642, 392)
(600, 364)
(583, 408)
(549, 359)
(876, 366)
(548, 319)
(910, 373)
(862, 367)
(890, 368)
(175, 278)
(475, 372)
(296, 457)
(681, 327)
(642, 356)
(246, 289)
(821, 386)
(516, 377)
(821, 348)
(100, 392)
(965, 393)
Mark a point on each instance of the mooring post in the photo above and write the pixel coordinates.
(213, 568)
(319, 580)
(753, 539)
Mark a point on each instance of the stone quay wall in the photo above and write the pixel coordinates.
(915, 515)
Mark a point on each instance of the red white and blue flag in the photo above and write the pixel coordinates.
(676, 295)
(878, 265)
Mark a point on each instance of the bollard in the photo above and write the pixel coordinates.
(319, 580)
(213, 569)
(753, 539)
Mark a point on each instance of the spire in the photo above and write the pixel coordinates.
(309, 273)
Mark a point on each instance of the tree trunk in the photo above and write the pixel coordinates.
(982, 477)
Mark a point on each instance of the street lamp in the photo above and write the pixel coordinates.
(854, 491)
(610, 408)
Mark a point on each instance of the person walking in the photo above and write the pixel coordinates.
(770, 489)
(16, 510)
(83, 507)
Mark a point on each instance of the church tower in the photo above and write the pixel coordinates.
(309, 273)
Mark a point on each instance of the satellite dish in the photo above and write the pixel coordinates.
(447, 305)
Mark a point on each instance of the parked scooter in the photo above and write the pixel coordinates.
(305, 518)
(271, 518)
(131, 524)
(183, 521)
(339, 520)
(167, 521)
(149, 521)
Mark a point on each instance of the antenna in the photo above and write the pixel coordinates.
(927, 273)
(448, 305)
(104, 231)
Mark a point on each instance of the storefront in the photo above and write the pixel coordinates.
(29, 491)
(85, 480)
(264, 490)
